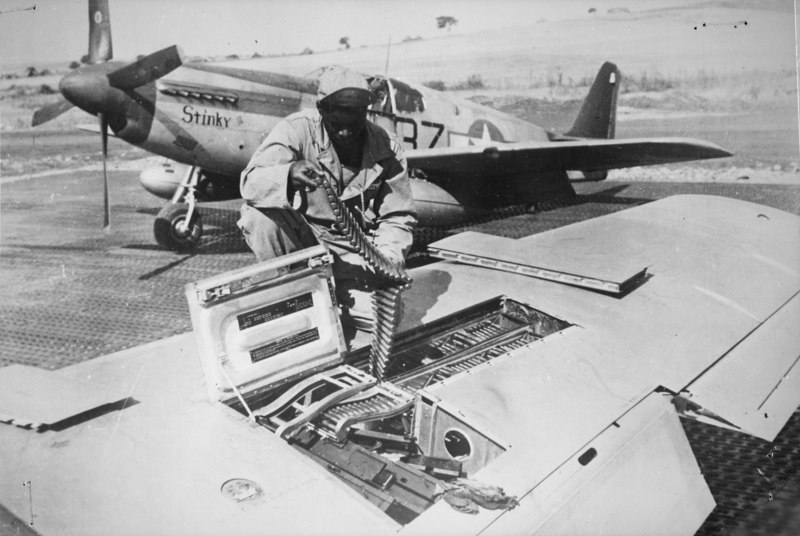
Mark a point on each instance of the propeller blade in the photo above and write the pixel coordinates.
(147, 69)
(100, 50)
(50, 111)
(104, 135)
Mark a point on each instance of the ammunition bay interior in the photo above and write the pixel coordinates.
(391, 441)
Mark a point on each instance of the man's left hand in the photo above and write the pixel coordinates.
(396, 259)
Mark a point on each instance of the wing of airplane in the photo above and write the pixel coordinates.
(530, 158)
(524, 375)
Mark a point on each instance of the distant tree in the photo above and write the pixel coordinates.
(438, 85)
(256, 55)
(74, 64)
(446, 22)
(31, 71)
(306, 52)
(85, 59)
(345, 42)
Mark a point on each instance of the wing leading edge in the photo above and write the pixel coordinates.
(579, 155)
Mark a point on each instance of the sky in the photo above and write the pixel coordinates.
(57, 30)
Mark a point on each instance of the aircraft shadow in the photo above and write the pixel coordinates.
(221, 235)
(424, 236)
(89, 415)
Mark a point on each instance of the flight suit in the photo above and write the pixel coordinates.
(276, 220)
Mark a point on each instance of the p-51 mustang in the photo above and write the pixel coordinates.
(466, 158)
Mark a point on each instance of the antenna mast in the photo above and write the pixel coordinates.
(388, 53)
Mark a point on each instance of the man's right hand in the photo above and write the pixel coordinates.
(302, 174)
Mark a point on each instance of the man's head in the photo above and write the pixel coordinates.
(344, 97)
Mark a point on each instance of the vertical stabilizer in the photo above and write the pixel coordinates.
(99, 32)
(598, 115)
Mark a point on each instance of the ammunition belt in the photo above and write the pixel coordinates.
(386, 300)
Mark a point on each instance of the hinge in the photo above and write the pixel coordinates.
(214, 293)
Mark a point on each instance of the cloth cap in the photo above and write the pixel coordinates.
(344, 87)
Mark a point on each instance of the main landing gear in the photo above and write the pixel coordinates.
(178, 226)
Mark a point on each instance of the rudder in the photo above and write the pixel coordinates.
(598, 116)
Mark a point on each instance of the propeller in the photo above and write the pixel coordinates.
(147, 69)
(102, 88)
(101, 117)
(50, 111)
(101, 91)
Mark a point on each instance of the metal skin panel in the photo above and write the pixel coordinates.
(464, 113)
(158, 465)
(22, 403)
(664, 333)
(222, 136)
(637, 476)
(757, 385)
(624, 346)
(643, 479)
(592, 263)
(744, 255)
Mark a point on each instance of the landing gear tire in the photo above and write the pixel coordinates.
(168, 228)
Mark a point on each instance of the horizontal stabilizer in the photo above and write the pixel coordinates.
(540, 157)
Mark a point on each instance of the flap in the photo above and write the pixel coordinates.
(592, 266)
(31, 396)
(756, 386)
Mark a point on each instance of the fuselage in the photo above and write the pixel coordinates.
(215, 117)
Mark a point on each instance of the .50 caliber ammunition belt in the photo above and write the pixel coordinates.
(386, 301)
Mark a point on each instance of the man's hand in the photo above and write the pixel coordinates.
(302, 175)
(393, 257)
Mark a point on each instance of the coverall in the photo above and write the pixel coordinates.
(276, 220)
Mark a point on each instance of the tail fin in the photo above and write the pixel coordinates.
(598, 115)
(99, 32)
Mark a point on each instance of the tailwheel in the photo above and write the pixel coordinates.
(172, 229)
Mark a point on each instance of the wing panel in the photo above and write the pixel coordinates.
(538, 157)
(756, 386)
(540, 257)
(623, 478)
(30, 396)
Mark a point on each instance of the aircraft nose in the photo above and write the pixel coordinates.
(89, 91)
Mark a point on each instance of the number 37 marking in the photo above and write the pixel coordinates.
(412, 138)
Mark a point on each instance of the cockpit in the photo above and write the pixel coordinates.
(394, 96)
